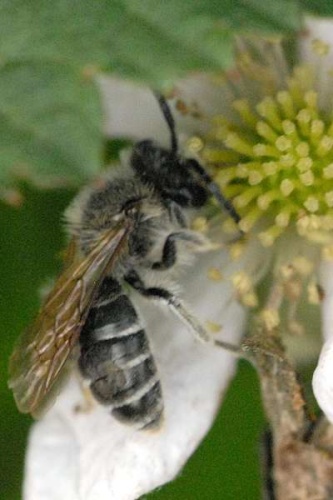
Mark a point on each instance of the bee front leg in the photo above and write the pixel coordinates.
(169, 252)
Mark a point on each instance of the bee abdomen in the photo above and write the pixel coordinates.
(116, 357)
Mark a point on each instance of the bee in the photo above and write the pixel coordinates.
(126, 232)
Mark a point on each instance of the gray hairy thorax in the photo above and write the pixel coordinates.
(96, 210)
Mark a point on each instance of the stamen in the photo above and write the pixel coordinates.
(304, 164)
(244, 110)
(287, 105)
(268, 109)
(268, 237)
(282, 167)
(238, 144)
(325, 146)
(307, 178)
(266, 132)
(328, 171)
(329, 199)
(303, 149)
(312, 204)
(287, 187)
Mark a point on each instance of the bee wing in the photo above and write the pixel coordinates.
(42, 350)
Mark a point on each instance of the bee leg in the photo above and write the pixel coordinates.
(173, 302)
(169, 252)
(176, 214)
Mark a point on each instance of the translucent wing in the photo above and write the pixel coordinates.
(43, 349)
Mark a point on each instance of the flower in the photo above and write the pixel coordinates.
(77, 440)
(265, 132)
(270, 149)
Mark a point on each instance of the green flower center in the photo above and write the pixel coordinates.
(275, 161)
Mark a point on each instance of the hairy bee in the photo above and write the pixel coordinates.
(125, 231)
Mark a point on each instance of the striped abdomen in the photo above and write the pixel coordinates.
(115, 356)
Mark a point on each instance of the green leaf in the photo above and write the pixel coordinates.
(322, 7)
(50, 116)
(49, 123)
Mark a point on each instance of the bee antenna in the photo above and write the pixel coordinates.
(170, 121)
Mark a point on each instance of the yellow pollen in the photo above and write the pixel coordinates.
(308, 223)
(270, 318)
(289, 128)
(307, 178)
(242, 282)
(320, 48)
(287, 187)
(328, 171)
(264, 200)
(268, 237)
(215, 274)
(270, 168)
(250, 300)
(283, 143)
(200, 224)
(302, 149)
(303, 265)
(255, 177)
(329, 198)
(325, 145)
(237, 250)
(313, 294)
(195, 144)
(287, 160)
(282, 219)
(213, 327)
(327, 253)
(304, 164)
(243, 171)
(311, 204)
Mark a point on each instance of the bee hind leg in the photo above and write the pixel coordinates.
(178, 308)
(168, 298)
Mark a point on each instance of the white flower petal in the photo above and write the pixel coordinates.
(326, 282)
(131, 111)
(322, 381)
(323, 376)
(316, 28)
(98, 458)
(317, 33)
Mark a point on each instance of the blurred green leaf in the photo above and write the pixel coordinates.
(50, 53)
(49, 123)
(322, 7)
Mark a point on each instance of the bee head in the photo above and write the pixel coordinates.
(182, 180)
